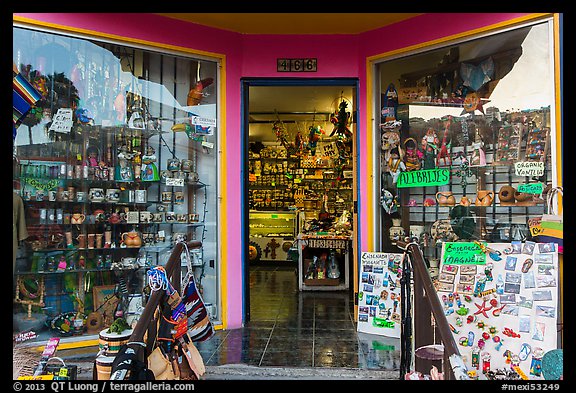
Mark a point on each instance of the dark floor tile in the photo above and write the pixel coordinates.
(334, 324)
(346, 335)
(251, 357)
(336, 359)
(336, 345)
(292, 331)
(277, 344)
(288, 359)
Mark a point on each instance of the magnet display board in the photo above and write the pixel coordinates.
(379, 294)
(503, 307)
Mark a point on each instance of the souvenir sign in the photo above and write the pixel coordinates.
(379, 296)
(62, 120)
(531, 188)
(505, 309)
(423, 178)
(527, 168)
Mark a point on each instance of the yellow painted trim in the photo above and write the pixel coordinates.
(71, 345)
(221, 146)
(114, 37)
(369, 95)
(223, 200)
(557, 97)
(370, 213)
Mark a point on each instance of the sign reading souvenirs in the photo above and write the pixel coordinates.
(296, 65)
(379, 294)
(529, 168)
(531, 188)
(463, 253)
(423, 178)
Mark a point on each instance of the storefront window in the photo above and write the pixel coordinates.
(466, 140)
(114, 163)
(467, 168)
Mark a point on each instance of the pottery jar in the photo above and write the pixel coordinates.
(445, 198)
(484, 198)
(131, 239)
(77, 218)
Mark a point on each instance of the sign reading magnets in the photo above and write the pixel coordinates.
(423, 178)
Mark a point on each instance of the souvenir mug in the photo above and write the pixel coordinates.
(145, 217)
(170, 216)
(52, 195)
(114, 218)
(77, 218)
(178, 197)
(113, 195)
(193, 177)
(484, 198)
(80, 196)
(186, 165)
(157, 217)
(96, 195)
(179, 237)
(166, 196)
(40, 195)
(445, 198)
(173, 164)
(182, 218)
(128, 262)
(99, 215)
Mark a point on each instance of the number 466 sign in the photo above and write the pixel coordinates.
(296, 65)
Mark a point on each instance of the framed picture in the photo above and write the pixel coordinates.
(105, 302)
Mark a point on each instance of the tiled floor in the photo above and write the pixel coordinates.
(292, 328)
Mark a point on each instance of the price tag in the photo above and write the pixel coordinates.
(209, 145)
(531, 188)
(170, 181)
(63, 372)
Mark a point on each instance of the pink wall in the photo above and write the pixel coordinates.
(255, 56)
(337, 55)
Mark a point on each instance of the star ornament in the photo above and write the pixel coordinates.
(473, 102)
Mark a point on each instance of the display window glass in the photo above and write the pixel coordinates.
(467, 170)
(115, 159)
(466, 140)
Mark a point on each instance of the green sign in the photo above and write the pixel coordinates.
(423, 178)
(463, 253)
(531, 188)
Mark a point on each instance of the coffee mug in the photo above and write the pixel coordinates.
(183, 218)
(96, 195)
(166, 196)
(113, 195)
(186, 165)
(193, 177)
(145, 217)
(178, 197)
(170, 216)
(173, 164)
(80, 196)
(77, 218)
(157, 217)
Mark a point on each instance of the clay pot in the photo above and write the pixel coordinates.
(131, 239)
(506, 194)
(484, 198)
(445, 198)
(464, 201)
(522, 196)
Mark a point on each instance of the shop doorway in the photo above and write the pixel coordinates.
(300, 154)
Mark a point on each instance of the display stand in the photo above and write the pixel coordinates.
(502, 304)
(308, 243)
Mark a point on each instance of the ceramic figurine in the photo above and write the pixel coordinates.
(149, 168)
(395, 164)
(412, 155)
(430, 144)
(124, 171)
(478, 155)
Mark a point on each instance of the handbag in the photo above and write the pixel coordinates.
(199, 326)
(550, 227)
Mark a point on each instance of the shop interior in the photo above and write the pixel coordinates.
(300, 184)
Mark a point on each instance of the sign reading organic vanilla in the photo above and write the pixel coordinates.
(463, 253)
(529, 168)
(423, 178)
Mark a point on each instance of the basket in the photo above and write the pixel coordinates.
(61, 371)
